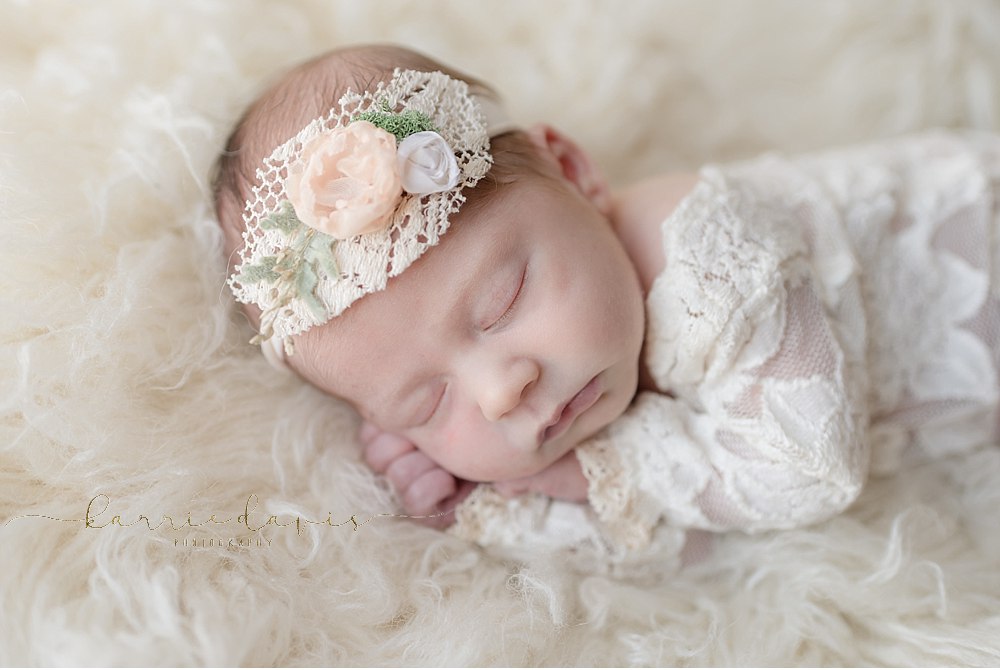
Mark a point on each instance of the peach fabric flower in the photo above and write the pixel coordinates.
(349, 184)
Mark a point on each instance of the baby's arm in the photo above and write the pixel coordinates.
(563, 480)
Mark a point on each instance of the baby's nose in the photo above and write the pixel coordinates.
(503, 389)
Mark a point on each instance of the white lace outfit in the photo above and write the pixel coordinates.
(818, 318)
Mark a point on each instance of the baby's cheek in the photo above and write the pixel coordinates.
(462, 434)
(441, 445)
(450, 437)
(456, 445)
(465, 422)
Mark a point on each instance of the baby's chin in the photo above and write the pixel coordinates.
(513, 471)
(559, 450)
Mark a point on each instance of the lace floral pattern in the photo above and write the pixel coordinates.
(817, 318)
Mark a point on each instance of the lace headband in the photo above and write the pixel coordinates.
(357, 196)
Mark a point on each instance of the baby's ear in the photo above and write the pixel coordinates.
(574, 164)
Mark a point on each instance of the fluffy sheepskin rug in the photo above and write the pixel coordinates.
(126, 379)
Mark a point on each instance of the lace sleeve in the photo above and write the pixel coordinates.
(781, 447)
(518, 528)
(766, 427)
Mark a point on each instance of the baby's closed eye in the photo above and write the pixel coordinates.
(503, 307)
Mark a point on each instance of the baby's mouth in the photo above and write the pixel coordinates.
(564, 416)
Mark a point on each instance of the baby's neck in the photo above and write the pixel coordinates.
(637, 214)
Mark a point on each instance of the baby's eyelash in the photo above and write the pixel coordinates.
(513, 302)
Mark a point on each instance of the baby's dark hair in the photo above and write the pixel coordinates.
(309, 91)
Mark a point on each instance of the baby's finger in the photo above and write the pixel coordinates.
(368, 431)
(448, 505)
(385, 449)
(511, 488)
(427, 490)
(404, 470)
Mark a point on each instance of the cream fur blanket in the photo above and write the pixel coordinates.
(125, 373)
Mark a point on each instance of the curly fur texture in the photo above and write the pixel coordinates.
(124, 368)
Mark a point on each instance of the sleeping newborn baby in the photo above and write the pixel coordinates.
(535, 356)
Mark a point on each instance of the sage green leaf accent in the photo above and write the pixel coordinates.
(306, 255)
(305, 286)
(319, 254)
(284, 220)
(401, 125)
(259, 272)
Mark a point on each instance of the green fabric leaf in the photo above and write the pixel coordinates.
(259, 272)
(284, 220)
(320, 254)
(307, 254)
(305, 287)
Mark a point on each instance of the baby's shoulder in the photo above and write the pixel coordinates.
(729, 247)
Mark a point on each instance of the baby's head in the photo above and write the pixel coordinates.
(497, 348)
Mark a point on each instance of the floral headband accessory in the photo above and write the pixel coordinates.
(357, 196)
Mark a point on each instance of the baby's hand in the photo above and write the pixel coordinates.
(424, 486)
(562, 480)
